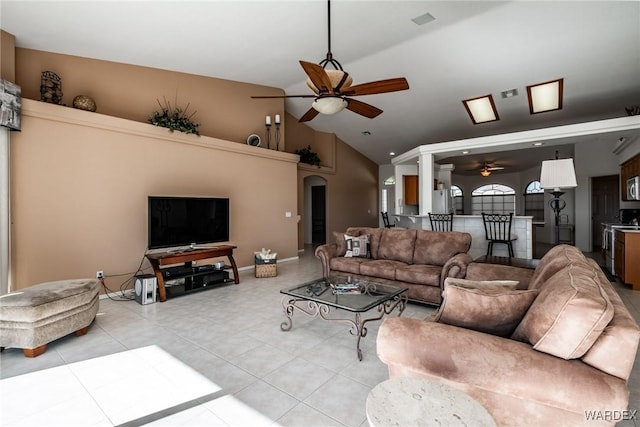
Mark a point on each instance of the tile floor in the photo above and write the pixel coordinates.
(230, 336)
(309, 376)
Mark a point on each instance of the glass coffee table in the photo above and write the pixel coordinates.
(319, 297)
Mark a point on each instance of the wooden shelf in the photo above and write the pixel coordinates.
(64, 114)
(163, 259)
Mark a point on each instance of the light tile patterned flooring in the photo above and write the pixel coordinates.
(309, 376)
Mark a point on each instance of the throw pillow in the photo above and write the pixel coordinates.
(492, 311)
(569, 315)
(357, 246)
(482, 284)
(341, 244)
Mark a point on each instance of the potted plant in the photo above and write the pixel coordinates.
(174, 118)
(307, 156)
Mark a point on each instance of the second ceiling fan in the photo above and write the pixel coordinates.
(487, 169)
(333, 88)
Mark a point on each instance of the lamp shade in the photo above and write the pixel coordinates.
(329, 104)
(557, 174)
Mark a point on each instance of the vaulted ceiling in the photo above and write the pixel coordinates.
(472, 48)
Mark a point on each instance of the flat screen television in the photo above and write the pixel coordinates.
(187, 221)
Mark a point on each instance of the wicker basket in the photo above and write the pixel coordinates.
(266, 270)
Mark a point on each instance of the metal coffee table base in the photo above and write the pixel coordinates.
(314, 309)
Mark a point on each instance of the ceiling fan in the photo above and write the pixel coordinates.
(333, 88)
(487, 169)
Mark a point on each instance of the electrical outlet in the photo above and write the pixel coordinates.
(99, 275)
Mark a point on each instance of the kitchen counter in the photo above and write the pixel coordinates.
(522, 227)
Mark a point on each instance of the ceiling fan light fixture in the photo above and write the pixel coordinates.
(545, 96)
(485, 172)
(329, 104)
(481, 109)
(335, 76)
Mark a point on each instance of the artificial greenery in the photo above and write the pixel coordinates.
(307, 156)
(174, 118)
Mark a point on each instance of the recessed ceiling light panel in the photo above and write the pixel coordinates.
(545, 96)
(481, 109)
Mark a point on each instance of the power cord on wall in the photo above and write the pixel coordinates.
(124, 286)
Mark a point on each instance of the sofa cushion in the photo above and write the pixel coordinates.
(397, 245)
(383, 268)
(357, 246)
(341, 243)
(553, 261)
(614, 352)
(503, 285)
(568, 315)
(436, 247)
(346, 265)
(492, 311)
(422, 274)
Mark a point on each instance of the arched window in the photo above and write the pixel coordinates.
(458, 199)
(493, 198)
(534, 201)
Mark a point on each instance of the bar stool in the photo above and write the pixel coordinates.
(441, 222)
(497, 229)
(385, 220)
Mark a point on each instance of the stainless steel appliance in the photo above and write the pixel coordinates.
(608, 242)
(633, 188)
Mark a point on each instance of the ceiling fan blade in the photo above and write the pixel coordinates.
(380, 86)
(309, 115)
(284, 96)
(495, 168)
(318, 76)
(362, 108)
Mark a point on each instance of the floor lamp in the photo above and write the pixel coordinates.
(556, 175)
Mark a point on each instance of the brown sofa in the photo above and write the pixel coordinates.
(566, 363)
(417, 259)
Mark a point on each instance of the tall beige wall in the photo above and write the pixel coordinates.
(80, 181)
(351, 180)
(7, 56)
(224, 109)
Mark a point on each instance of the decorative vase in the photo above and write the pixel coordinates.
(51, 88)
(84, 102)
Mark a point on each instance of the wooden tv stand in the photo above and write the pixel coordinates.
(160, 259)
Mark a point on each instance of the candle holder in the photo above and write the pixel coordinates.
(267, 136)
(277, 136)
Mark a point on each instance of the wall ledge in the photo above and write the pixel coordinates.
(59, 113)
(316, 169)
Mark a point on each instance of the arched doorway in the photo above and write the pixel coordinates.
(315, 208)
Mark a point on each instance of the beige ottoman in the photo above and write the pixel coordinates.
(32, 317)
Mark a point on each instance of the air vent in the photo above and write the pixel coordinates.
(423, 19)
(509, 93)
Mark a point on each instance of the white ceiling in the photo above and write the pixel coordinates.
(472, 48)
